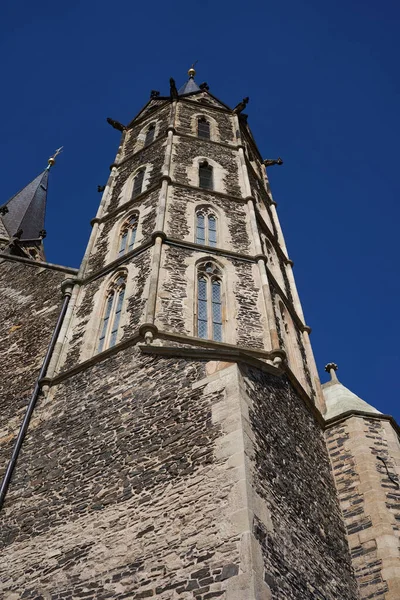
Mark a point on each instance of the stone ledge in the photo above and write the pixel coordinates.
(36, 263)
(359, 413)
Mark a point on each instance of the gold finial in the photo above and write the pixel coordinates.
(52, 159)
(192, 71)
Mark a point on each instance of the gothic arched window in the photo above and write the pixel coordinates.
(138, 183)
(206, 176)
(112, 313)
(206, 228)
(150, 134)
(203, 128)
(128, 235)
(209, 302)
(268, 250)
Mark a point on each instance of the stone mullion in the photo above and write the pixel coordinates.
(269, 309)
(159, 233)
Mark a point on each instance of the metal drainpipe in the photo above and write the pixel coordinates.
(67, 289)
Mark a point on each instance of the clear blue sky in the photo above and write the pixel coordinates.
(323, 81)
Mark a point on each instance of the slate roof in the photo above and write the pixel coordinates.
(26, 210)
(189, 87)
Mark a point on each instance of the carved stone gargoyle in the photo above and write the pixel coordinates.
(241, 106)
(154, 94)
(101, 188)
(269, 162)
(116, 124)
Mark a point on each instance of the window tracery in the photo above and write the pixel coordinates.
(128, 235)
(206, 227)
(209, 302)
(112, 313)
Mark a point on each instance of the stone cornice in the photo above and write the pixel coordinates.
(212, 192)
(209, 249)
(195, 137)
(129, 157)
(36, 263)
(183, 339)
(360, 413)
(126, 205)
(195, 341)
(232, 354)
(117, 262)
(92, 361)
(195, 348)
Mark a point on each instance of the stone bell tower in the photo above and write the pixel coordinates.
(177, 451)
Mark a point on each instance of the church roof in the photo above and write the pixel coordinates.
(189, 87)
(26, 210)
(339, 399)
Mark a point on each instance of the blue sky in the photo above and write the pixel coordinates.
(324, 94)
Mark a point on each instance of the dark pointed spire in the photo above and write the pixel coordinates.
(22, 217)
(26, 210)
(190, 86)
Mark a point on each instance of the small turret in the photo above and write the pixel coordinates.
(339, 399)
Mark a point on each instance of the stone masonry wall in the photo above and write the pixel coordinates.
(82, 337)
(186, 151)
(30, 300)
(106, 246)
(233, 226)
(370, 500)
(304, 548)
(132, 483)
(243, 319)
(224, 121)
(120, 492)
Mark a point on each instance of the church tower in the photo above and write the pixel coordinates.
(176, 450)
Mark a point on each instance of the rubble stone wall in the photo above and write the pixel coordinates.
(370, 500)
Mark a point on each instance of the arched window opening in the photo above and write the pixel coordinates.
(206, 228)
(289, 335)
(268, 250)
(203, 128)
(138, 184)
(112, 314)
(128, 235)
(206, 176)
(150, 134)
(284, 319)
(209, 302)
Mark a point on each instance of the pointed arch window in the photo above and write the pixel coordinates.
(128, 235)
(206, 228)
(150, 134)
(138, 184)
(209, 302)
(267, 248)
(112, 313)
(203, 128)
(206, 176)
